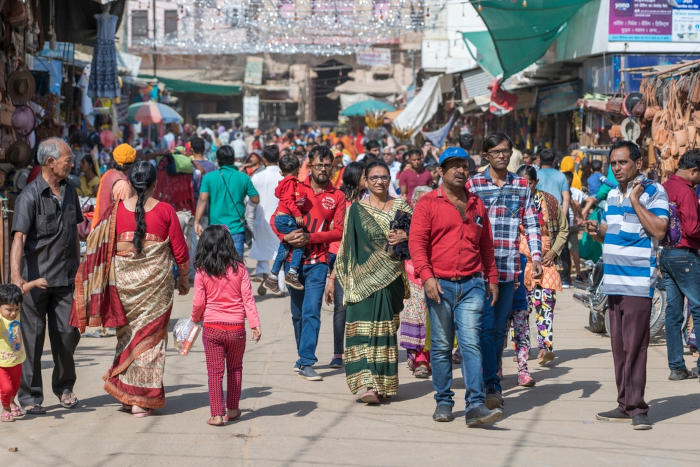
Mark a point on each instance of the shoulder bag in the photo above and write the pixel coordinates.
(247, 230)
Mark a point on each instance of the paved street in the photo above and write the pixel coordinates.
(289, 421)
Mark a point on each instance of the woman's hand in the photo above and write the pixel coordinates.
(397, 236)
(329, 291)
(256, 334)
(183, 285)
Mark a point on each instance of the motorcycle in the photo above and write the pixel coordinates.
(597, 303)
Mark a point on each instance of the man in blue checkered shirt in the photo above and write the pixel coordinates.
(510, 206)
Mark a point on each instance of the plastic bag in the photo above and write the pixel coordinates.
(185, 332)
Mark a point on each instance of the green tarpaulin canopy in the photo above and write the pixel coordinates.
(517, 36)
(359, 109)
(179, 85)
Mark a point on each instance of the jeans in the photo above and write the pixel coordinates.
(493, 334)
(680, 270)
(306, 310)
(239, 242)
(459, 311)
(286, 224)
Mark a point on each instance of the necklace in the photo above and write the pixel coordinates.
(383, 205)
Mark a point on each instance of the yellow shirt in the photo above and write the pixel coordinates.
(11, 350)
(88, 188)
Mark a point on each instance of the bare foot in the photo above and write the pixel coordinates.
(232, 414)
(216, 421)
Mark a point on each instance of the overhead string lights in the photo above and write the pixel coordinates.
(318, 27)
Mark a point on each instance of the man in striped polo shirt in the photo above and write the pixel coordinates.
(635, 219)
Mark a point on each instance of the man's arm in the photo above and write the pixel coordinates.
(202, 203)
(563, 234)
(419, 241)
(488, 256)
(565, 201)
(652, 223)
(16, 259)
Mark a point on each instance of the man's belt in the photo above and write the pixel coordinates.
(476, 275)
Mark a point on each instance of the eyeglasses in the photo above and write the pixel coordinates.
(501, 152)
(321, 166)
(379, 178)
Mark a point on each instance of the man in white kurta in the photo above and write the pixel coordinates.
(265, 243)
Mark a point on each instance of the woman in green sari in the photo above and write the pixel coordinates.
(375, 287)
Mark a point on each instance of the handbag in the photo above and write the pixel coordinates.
(248, 233)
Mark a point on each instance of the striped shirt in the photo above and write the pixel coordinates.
(508, 207)
(629, 253)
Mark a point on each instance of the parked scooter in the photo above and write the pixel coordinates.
(597, 303)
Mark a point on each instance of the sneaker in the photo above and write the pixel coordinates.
(292, 280)
(614, 415)
(443, 413)
(494, 400)
(678, 375)
(336, 363)
(296, 368)
(525, 380)
(308, 373)
(480, 415)
(271, 284)
(641, 422)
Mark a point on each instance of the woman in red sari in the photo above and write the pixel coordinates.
(129, 273)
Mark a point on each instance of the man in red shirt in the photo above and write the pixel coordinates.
(323, 223)
(452, 250)
(680, 265)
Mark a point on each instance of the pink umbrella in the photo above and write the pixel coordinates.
(148, 113)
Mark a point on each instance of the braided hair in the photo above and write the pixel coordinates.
(142, 176)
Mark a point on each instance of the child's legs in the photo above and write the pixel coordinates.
(9, 384)
(235, 348)
(543, 301)
(297, 256)
(215, 353)
(284, 224)
(521, 338)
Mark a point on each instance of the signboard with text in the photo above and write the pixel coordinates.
(251, 111)
(654, 21)
(374, 57)
(253, 70)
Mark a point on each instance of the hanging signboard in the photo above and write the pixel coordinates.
(654, 21)
(251, 111)
(558, 97)
(374, 57)
(253, 70)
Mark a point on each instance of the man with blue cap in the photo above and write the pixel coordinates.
(452, 250)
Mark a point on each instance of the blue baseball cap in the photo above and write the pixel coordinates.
(452, 152)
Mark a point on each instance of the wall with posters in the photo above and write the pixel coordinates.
(654, 20)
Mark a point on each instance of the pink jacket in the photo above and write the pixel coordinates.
(226, 299)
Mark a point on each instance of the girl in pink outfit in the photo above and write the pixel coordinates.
(223, 299)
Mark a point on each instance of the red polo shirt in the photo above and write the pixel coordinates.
(324, 216)
(443, 245)
(680, 192)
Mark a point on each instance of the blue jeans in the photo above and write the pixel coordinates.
(680, 270)
(493, 334)
(459, 311)
(286, 224)
(239, 243)
(306, 310)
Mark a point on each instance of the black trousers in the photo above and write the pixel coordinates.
(52, 306)
(565, 258)
(338, 319)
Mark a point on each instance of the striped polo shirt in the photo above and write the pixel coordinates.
(629, 253)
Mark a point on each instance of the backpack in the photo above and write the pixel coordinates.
(673, 231)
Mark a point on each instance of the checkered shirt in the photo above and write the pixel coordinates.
(508, 206)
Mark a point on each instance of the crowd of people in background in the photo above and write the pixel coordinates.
(438, 251)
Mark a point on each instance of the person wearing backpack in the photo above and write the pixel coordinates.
(679, 262)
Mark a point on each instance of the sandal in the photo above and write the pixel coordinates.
(35, 410)
(17, 411)
(6, 417)
(68, 399)
(421, 371)
(212, 421)
(525, 380)
(370, 396)
(236, 414)
(141, 412)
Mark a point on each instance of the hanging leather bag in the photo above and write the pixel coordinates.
(614, 105)
(694, 94)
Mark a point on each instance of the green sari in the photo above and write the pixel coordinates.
(374, 286)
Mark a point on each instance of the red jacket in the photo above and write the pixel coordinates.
(443, 245)
(293, 195)
(324, 221)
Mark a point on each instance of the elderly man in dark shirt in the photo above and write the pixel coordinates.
(45, 245)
